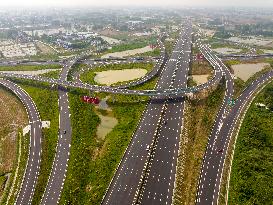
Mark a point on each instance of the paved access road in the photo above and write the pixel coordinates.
(158, 184)
(33, 165)
(127, 180)
(58, 173)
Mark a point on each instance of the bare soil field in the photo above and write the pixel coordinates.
(12, 117)
(114, 76)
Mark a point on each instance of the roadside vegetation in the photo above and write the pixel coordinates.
(93, 160)
(29, 67)
(16, 176)
(134, 44)
(251, 173)
(52, 74)
(75, 68)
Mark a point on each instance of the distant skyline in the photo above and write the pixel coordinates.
(90, 3)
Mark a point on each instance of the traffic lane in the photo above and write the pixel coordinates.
(160, 183)
(125, 182)
(57, 176)
(33, 165)
(128, 190)
(136, 154)
(211, 190)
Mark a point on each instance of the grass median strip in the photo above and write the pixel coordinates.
(93, 160)
(199, 120)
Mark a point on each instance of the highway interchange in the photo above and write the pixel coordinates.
(146, 173)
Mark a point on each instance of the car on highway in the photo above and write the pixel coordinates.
(64, 132)
(148, 148)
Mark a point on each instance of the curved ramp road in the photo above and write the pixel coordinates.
(58, 173)
(158, 67)
(158, 92)
(210, 182)
(205, 181)
(33, 165)
(154, 72)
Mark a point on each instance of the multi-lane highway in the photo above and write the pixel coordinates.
(33, 165)
(159, 179)
(59, 168)
(128, 179)
(146, 173)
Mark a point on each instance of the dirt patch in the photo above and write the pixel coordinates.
(12, 117)
(114, 76)
(34, 72)
(200, 79)
(106, 125)
(245, 71)
(128, 52)
(227, 50)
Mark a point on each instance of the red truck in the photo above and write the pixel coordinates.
(91, 100)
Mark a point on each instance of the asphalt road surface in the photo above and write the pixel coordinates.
(33, 165)
(214, 159)
(127, 180)
(160, 177)
(57, 177)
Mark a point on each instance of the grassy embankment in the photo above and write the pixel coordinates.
(93, 161)
(251, 174)
(29, 67)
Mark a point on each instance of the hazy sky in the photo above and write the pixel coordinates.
(27, 3)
